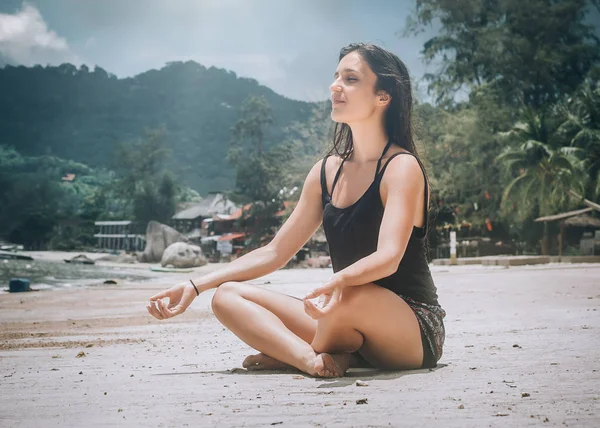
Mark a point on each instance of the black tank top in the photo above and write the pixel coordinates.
(352, 234)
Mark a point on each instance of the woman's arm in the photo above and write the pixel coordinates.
(295, 232)
(402, 192)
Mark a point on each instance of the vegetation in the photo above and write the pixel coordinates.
(513, 134)
(259, 174)
(515, 130)
(83, 115)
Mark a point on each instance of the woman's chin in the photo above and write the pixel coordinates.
(336, 116)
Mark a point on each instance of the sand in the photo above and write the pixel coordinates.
(522, 349)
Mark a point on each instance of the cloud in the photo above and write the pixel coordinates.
(25, 39)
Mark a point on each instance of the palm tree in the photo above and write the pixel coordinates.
(545, 173)
(581, 127)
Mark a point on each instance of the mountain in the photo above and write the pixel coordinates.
(82, 115)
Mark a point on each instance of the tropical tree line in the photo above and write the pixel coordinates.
(52, 203)
(514, 134)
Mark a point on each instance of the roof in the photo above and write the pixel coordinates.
(564, 215)
(231, 236)
(236, 215)
(212, 204)
(113, 223)
(288, 206)
(583, 221)
(68, 177)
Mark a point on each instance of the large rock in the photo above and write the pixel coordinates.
(158, 238)
(182, 255)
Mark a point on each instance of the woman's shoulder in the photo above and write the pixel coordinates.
(402, 166)
(332, 163)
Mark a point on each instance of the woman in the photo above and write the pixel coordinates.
(380, 307)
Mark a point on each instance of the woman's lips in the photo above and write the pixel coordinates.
(337, 102)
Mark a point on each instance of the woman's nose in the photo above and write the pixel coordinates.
(335, 86)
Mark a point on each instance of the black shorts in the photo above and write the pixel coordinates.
(433, 333)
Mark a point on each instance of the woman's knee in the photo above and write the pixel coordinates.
(223, 295)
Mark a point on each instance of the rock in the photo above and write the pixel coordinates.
(361, 383)
(182, 255)
(362, 401)
(81, 259)
(158, 238)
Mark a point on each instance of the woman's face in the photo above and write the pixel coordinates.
(353, 96)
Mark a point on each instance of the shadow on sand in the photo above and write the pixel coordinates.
(350, 378)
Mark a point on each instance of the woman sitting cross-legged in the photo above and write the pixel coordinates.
(371, 193)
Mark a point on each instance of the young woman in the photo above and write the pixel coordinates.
(380, 306)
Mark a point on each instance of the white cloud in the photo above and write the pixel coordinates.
(25, 39)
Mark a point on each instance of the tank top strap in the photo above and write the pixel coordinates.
(337, 175)
(426, 196)
(387, 147)
(324, 191)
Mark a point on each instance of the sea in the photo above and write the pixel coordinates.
(45, 275)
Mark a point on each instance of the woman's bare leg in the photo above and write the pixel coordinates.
(370, 318)
(271, 322)
(374, 320)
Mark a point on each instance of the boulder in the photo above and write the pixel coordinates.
(182, 255)
(158, 238)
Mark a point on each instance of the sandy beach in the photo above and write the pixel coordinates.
(522, 349)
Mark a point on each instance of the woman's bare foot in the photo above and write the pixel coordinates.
(332, 365)
(264, 362)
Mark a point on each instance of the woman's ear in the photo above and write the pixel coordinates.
(383, 98)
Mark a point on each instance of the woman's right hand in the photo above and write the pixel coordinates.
(180, 297)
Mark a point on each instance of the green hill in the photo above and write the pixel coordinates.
(83, 114)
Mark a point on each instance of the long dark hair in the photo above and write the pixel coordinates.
(393, 78)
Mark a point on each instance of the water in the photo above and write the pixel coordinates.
(55, 275)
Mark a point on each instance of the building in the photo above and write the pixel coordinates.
(118, 235)
(189, 221)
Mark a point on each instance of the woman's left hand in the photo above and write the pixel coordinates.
(331, 295)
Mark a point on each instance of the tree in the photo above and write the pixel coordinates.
(259, 174)
(459, 152)
(143, 184)
(248, 133)
(546, 171)
(308, 142)
(528, 53)
(581, 128)
(36, 203)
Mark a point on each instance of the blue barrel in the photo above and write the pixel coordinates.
(18, 285)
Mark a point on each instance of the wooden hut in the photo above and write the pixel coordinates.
(572, 219)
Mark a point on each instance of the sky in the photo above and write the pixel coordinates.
(290, 46)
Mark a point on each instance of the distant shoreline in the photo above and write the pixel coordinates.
(48, 271)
